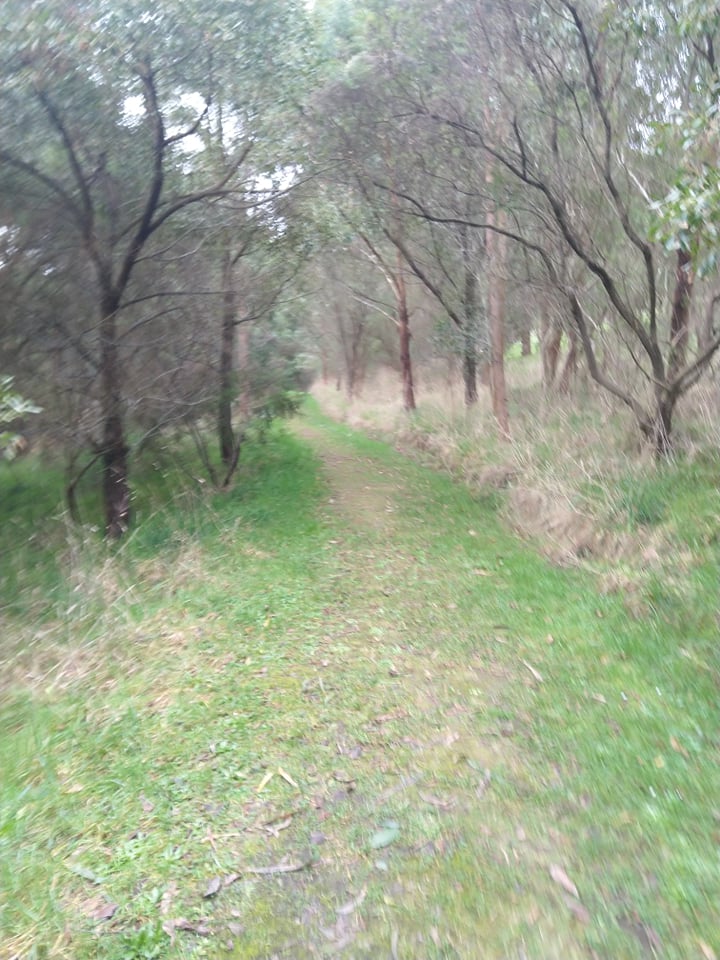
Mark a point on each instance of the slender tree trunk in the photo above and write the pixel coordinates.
(706, 324)
(571, 362)
(243, 366)
(470, 377)
(680, 316)
(354, 358)
(526, 342)
(660, 431)
(116, 487)
(470, 325)
(226, 435)
(550, 349)
(497, 249)
(403, 319)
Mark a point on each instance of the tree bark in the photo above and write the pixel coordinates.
(706, 326)
(666, 396)
(469, 321)
(496, 246)
(571, 362)
(226, 435)
(243, 366)
(116, 487)
(550, 350)
(403, 319)
(659, 430)
(469, 370)
(354, 357)
(680, 316)
(526, 342)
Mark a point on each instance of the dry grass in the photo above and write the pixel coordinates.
(562, 466)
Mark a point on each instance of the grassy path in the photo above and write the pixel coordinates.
(352, 716)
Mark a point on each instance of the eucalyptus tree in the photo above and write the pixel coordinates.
(360, 142)
(568, 99)
(104, 110)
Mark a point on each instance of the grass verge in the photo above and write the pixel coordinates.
(343, 710)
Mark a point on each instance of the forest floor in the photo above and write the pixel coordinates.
(355, 716)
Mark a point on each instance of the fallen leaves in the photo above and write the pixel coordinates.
(199, 928)
(283, 774)
(351, 906)
(343, 777)
(98, 908)
(387, 834)
(562, 879)
(213, 888)
(388, 717)
(216, 884)
(437, 801)
(577, 909)
(571, 897)
(536, 676)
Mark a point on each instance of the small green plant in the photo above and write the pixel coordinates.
(642, 503)
(12, 406)
(147, 943)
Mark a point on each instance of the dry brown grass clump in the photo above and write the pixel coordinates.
(562, 465)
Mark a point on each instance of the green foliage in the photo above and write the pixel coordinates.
(278, 406)
(688, 216)
(642, 503)
(12, 406)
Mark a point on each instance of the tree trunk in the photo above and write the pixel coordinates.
(470, 322)
(496, 248)
(571, 362)
(243, 366)
(470, 372)
(116, 487)
(680, 317)
(659, 431)
(404, 332)
(706, 325)
(551, 338)
(526, 343)
(354, 358)
(226, 435)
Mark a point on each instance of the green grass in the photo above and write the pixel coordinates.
(266, 677)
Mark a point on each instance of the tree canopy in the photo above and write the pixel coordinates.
(174, 174)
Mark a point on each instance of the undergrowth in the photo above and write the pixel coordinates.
(341, 709)
(574, 478)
